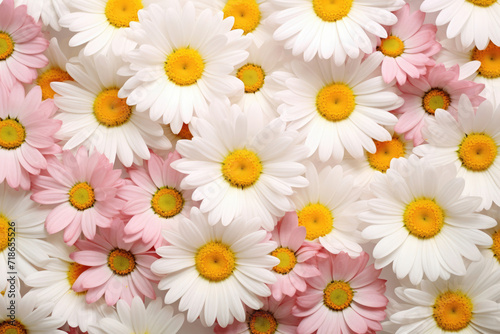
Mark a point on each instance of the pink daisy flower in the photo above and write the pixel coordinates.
(85, 188)
(348, 297)
(440, 88)
(21, 45)
(409, 47)
(294, 254)
(155, 199)
(274, 317)
(118, 269)
(26, 134)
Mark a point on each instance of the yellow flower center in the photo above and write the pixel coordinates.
(4, 232)
(246, 14)
(435, 98)
(121, 12)
(53, 74)
(252, 76)
(392, 46)
(386, 151)
(167, 202)
(338, 295)
(262, 322)
(317, 219)
(110, 110)
(74, 271)
(495, 247)
(12, 134)
(184, 66)
(452, 311)
(121, 261)
(6, 45)
(185, 133)
(332, 10)
(12, 327)
(241, 168)
(423, 218)
(215, 261)
(82, 196)
(287, 258)
(477, 151)
(490, 61)
(482, 3)
(335, 102)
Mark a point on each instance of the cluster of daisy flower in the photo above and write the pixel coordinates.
(249, 166)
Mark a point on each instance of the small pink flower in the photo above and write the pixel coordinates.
(348, 297)
(84, 187)
(118, 269)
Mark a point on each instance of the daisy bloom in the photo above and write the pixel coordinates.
(493, 251)
(118, 269)
(339, 108)
(154, 199)
(84, 189)
(422, 222)
(463, 304)
(183, 61)
(21, 45)
(26, 134)
(440, 88)
(49, 11)
(336, 29)
(348, 297)
(94, 116)
(214, 269)
(472, 144)
(241, 167)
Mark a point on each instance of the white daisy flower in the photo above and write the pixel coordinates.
(333, 28)
(183, 62)
(48, 10)
(423, 224)
(94, 116)
(214, 269)
(339, 108)
(240, 166)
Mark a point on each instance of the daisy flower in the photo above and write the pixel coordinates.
(27, 132)
(339, 108)
(422, 222)
(21, 45)
(84, 189)
(118, 269)
(154, 199)
(138, 319)
(333, 29)
(94, 116)
(348, 297)
(440, 88)
(49, 11)
(241, 167)
(472, 144)
(215, 269)
(463, 304)
(183, 61)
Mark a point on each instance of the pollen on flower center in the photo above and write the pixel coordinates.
(121, 12)
(452, 311)
(12, 327)
(338, 295)
(262, 322)
(335, 102)
(74, 271)
(332, 10)
(424, 218)
(121, 261)
(53, 74)
(317, 219)
(482, 3)
(82, 196)
(241, 168)
(436, 98)
(6, 46)
(386, 151)
(110, 110)
(495, 247)
(4, 232)
(490, 60)
(252, 76)
(287, 258)
(12, 134)
(246, 14)
(215, 261)
(392, 46)
(167, 202)
(184, 66)
(477, 152)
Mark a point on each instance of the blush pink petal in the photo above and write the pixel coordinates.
(371, 299)
(113, 292)
(90, 258)
(50, 196)
(60, 217)
(355, 322)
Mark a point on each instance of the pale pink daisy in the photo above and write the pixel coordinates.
(118, 269)
(155, 199)
(348, 297)
(440, 88)
(21, 45)
(26, 134)
(84, 188)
